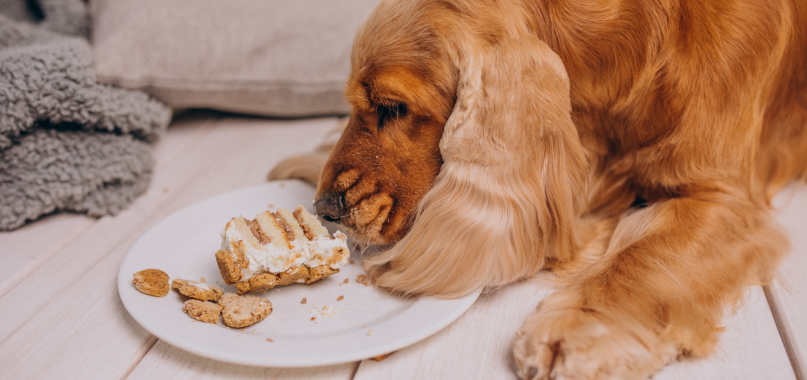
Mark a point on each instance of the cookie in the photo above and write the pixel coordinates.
(242, 311)
(153, 282)
(259, 283)
(292, 275)
(204, 311)
(198, 290)
(320, 272)
(228, 266)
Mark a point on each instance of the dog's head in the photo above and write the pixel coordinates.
(460, 147)
(402, 90)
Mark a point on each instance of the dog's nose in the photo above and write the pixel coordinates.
(330, 207)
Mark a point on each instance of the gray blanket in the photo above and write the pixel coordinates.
(66, 142)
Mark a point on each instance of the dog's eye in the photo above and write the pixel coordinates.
(391, 111)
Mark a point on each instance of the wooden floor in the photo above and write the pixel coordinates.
(60, 315)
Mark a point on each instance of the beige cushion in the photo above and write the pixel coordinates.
(277, 58)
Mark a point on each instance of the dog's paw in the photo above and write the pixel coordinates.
(575, 344)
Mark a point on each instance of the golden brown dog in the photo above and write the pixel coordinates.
(630, 145)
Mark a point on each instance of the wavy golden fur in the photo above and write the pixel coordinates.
(632, 146)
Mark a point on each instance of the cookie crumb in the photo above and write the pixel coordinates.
(351, 262)
(202, 280)
(362, 279)
(313, 318)
(340, 298)
(346, 281)
(270, 340)
(304, 301)
(282, 185)
(381, 357)
(271, 205)
(165, 190)
(370, 333)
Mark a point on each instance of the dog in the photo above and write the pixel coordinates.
(630, 146)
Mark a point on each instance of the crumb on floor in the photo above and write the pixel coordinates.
(381, 357)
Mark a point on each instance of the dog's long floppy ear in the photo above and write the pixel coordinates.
(511, 185)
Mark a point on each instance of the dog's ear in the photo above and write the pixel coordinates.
(511, 185)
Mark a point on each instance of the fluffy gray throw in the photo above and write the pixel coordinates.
(66, 142)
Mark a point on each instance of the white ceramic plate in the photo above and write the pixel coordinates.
(366, 323)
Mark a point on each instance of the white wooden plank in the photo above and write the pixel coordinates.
(750, 348)
(788, 292)
(167, 362)
(479, 344)
(476, 346)
(19, 248)
(185, 131)
(65, 319)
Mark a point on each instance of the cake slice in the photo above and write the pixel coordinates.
(279, 248)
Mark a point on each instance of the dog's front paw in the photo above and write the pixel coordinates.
(575, 344)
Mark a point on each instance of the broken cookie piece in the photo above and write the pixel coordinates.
(242, 311)
(153, 282)
(204, 311)
(279, 248)
(198, 290)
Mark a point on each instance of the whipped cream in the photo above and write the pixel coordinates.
(263, 258)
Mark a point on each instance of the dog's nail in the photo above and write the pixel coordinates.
(532, 373)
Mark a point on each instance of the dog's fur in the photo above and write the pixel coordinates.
(631, 145)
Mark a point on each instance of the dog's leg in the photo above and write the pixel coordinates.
(660, 290)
